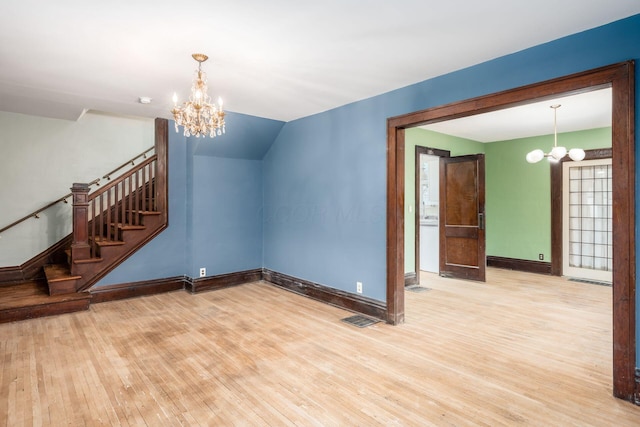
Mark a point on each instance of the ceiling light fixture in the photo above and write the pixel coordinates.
(198, 116)
(556, 153)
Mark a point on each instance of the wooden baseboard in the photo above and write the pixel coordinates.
(70, 305)
(10, 275)
(410, 278)
(136, 289)
(327, 295)
(519, 265)
(636, 397)
(223, 280)
(32, 269)
(322, 293)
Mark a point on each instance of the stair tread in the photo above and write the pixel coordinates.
(147, 212)
(128, 226)
(105, 242)
(87, 261)
(58, 273)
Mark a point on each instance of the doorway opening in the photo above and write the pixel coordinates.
(620, 78)
(427, 200)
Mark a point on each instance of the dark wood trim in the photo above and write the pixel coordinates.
(79, 302)
(556, 205)
(32, 269)
(327, 295)
(221, 281)
(431, 152)
(10, 275)
(162, 169)
(620, 77)
(80, 248)
(136, 289)
(636, 399)
(395, 223)
(410, 278)
(529, 266)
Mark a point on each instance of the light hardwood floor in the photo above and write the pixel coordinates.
(520, 349)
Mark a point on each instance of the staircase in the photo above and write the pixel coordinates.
(107, 252)
(114, 222)
(108, 226)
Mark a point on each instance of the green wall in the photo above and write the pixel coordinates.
(431, 139)
(518, 202)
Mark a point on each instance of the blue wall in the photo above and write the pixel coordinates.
(215, 205)
(324, 196)
(227, 215)
(323, 166)
(323, 179)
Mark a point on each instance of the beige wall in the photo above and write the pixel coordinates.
(39, 160)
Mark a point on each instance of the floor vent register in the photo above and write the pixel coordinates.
(360, 321)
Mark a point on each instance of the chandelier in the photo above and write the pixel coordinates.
(556, 153)
(198, 116)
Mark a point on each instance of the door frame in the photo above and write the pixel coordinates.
(619, 77)
(429, 152)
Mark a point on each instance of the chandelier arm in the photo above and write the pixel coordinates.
(556, 153)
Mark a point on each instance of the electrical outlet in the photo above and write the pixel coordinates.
(541, 257)
(203, 272)
(359, 287)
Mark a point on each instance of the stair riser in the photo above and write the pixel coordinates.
(63, 287)
(137, 219)
(112, 254)
(24, 313)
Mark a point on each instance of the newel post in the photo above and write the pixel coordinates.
(80, 248)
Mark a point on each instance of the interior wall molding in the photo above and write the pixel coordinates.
(636, 398)
(327, 295)
(32, 269)
(221, 281)
(410, 278)
(136, 289)
(620, 78)
(322, 293)
(10, 275)
(539, 267)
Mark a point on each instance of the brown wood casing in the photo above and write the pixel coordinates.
(620, 78)
(80, 248)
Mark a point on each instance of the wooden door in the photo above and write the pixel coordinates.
(462, 231)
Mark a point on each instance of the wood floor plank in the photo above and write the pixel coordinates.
(521, 349)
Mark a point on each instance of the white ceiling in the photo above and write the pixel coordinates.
(576, 112)
(280, 59)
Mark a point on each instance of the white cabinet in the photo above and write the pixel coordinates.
(429, 248)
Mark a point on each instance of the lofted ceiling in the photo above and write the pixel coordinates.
(280, 59)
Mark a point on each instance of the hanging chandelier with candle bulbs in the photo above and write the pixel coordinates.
(197, 115)
(557, 152)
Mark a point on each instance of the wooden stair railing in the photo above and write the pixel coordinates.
(119, 203)
(112, 223)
